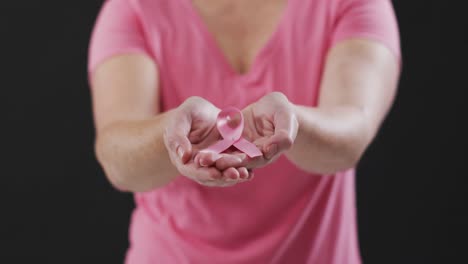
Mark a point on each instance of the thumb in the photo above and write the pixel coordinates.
(286, 127)
(182, 147)
(177, 143)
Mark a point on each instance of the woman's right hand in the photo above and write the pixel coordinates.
(191, 129)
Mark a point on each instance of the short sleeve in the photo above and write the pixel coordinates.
(370, 19)
(117, 30)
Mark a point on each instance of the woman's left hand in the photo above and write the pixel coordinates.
(270, 124)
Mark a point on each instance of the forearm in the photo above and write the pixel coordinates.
(357, 90)
(330, 140)
(133, 154)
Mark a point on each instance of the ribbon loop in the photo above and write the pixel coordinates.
(230, 124)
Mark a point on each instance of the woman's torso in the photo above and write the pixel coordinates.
(284, 215)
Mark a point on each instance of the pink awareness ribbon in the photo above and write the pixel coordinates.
(230, 124)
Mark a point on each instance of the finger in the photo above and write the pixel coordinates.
(196, 159)
(218, 183)
(243, 173)
(286, 120)
(229, 160)
(253, 163)
(208, 183)
(197, 173)
(176, 141)
(228, 180)
(279, 142)
(231, 174)
(182, 148)
(286, 126)
(251, 175)
(207, 158)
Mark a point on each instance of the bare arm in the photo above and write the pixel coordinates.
(358, 88)
(129, 142)
(141, 149)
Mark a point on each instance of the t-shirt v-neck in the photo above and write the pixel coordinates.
(285, 214)
(262, 55)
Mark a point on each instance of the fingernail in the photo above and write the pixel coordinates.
(271, 151)
(239, 159)
(242, 157)
(215, 156)
(243, 176)
(203, 163)
(180, 152)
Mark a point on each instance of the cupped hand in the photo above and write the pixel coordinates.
(191, 129)
(270, 124)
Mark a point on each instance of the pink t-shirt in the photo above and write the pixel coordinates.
(285, 215)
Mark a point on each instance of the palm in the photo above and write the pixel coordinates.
(271, 125)
(258, 126)
(203, 133)
(192, 129)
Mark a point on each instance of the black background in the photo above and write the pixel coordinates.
(57, 207)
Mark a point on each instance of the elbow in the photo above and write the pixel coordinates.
(338, 148)
(348, 155)
(349, 159)
(119, 180)
(341, 157)
(351, 151)
(345, 160)
(120, 177)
